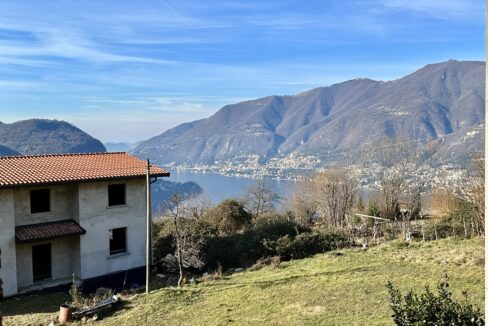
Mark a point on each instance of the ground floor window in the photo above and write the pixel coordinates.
(41, 262)
(118, 240)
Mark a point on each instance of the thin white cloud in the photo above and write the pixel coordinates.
(61, 44)
(445, 9)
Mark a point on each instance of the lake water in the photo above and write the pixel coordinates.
(219, 187)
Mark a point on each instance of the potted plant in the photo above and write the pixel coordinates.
(66, 309)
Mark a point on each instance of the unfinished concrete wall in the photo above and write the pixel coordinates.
(65, 258)
(8, 271)
(98, 219)
(64, 205)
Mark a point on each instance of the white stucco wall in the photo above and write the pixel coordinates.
(8, 269)
(87, 255)
(97, 219)
(64, 205)
(65, 258)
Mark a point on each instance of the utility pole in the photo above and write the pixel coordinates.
(148, 226)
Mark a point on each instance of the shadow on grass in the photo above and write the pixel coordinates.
(34, 303)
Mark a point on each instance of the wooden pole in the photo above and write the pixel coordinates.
(148, 226)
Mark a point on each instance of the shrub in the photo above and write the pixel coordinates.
(306, 244)
(274, 229)
(428, 308)
(243, 249)
(164, 240)
(229, 216)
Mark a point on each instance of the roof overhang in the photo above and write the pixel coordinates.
(47, 231)
(53, 183)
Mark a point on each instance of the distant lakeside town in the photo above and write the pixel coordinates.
(298, 167)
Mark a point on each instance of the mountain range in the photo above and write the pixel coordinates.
(441, 103)
(40, 136)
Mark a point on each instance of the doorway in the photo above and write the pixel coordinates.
(41, 262)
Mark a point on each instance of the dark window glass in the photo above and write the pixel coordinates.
(118, 241)
(116, 195)
(40, 201)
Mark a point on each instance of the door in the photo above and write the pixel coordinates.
(41, 262)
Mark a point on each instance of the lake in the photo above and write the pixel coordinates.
(219, 187)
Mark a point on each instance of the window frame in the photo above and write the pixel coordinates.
(117, 251)
(49, 204)
(110, 186)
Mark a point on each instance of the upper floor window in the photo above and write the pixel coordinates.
(116, 195)
(40, 201)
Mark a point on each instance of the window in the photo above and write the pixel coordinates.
(116, 195)
(40, 201)
(118, 241)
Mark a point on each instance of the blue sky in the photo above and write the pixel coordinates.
(128, 70)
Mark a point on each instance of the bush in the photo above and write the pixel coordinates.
(229, 217)
(243, 249)
(164, 240)
(429, 309)
(306, 244)
(274, 229)
(267, 236)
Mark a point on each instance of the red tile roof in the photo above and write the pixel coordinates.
(68, 168)
(49, 230)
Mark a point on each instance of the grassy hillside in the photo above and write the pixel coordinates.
(327, 289)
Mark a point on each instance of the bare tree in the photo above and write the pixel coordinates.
(473, 191)
(302, 204)
(442, 201)
(259, 198)
(197, 206)
(411, 208)
(187, 243)
(333, 191)
(397, 158)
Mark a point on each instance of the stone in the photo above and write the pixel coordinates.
(103, 291)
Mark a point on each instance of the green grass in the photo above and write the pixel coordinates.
(322, 290)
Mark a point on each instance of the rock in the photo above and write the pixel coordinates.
(192, 281)
(102, 291)
(95, 317)
(444, 262)
(237, 270)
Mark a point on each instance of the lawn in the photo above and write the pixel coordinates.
(328, 289)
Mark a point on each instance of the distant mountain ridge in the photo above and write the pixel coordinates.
(434, 102)
(40, 136)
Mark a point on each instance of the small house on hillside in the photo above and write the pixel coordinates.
(71, 213)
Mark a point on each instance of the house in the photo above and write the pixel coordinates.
(71, 213)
